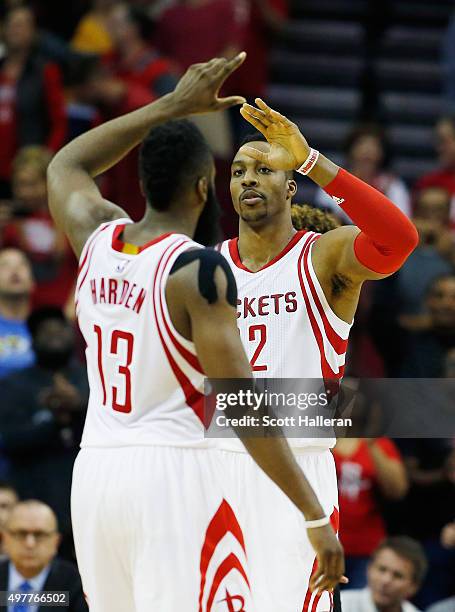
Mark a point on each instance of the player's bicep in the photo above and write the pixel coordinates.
(76, 204)
(334, 254)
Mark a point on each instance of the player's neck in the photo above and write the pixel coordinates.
(156, 223)
(259, 245)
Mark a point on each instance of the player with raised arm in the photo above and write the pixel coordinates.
(297, 295)
(154, 527)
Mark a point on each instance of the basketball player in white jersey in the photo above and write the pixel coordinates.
(154, 527)
(297, 295)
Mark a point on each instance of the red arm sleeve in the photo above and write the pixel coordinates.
(56, 107)
(387, 236)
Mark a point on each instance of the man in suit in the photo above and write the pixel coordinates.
(31, 540)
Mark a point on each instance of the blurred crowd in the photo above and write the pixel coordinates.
(62, 73)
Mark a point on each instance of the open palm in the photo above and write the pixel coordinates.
(288, 148)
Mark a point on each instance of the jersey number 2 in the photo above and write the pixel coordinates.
(252, 333)
(123, 369)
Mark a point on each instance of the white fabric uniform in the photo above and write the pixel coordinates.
(153, 529)
(289, 331)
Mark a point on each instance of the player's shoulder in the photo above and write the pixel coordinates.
(202, 273)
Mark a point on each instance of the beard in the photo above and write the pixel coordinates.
(208, 231)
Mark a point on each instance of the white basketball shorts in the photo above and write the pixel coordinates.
(154, 531)
(280, 556)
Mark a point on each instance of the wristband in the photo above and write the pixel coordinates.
(322, 522)
(309, 163)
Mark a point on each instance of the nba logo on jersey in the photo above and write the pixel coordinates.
(120, 267)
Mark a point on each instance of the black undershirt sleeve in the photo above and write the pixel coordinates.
(209, 260)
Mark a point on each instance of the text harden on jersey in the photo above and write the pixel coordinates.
(120, 293)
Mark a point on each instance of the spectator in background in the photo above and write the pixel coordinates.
(94, 95)
(368, 470)
(425, 349)
(92, 35)
(134, 60)
(31, 540)
(367, 157)
(196, 30)
(32, 230)
(42, 414)
(395, 573)
(399, 306)
(444, 177)
(448, 541)
(264, 20)
(16, 286)
(8, 499)
(32, 107)
(429, 507)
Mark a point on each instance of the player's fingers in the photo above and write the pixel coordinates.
(258, 113)
(228, 66)
(257, 123)
(223, 103)
(272, 114)
(317, 576)
(255, 154)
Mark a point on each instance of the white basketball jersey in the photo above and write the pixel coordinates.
(287, 327)
(146, 382)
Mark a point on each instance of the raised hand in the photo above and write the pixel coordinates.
(198, 89)
(288, 148)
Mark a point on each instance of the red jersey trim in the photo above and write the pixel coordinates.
(339, 344)
(132, 249)
(194, 398)
(88, 257)
(233, 246)
(327, 371)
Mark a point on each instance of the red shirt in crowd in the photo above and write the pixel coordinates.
(54, 101)
(121, 183)
(362, 527)
(144, 69)
(190, 34)
(54, 264)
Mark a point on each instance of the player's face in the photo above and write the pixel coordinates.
(31, 538)
(29, 188)
(433, 204)
(15, 274)
(390, 579)
(207, 230)
(258, 192)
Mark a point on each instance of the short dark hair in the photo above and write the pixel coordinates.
(42, 314)
(258, 136)
(144, 24)
(375, 131)
(173, 157)
(408, 549)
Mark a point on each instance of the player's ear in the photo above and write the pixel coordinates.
(292, 188)
(202, 188)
